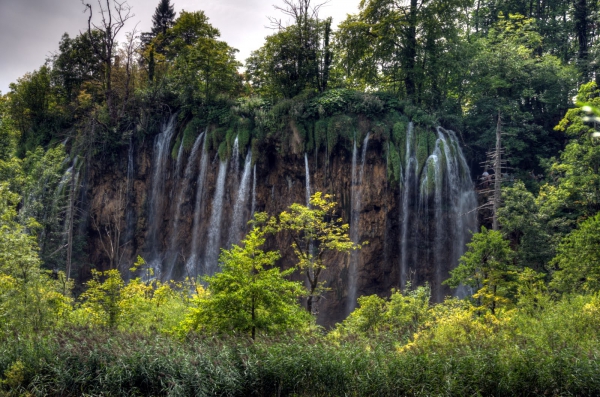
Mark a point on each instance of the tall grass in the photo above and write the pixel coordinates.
(94, 363)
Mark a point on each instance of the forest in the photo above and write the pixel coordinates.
(460, 88)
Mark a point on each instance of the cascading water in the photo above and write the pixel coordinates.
(253, 192)
(192, 263)
(307, 171)
(162, 142)
(235, 161)
(184, 192)
(211, 256)
(129, 208)
(179, 163)
(406, 184)
(437, 199)
(238, 222)
(356, 204)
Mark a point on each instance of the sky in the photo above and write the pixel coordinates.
(30, 30)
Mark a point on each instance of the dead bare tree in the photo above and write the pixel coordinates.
(494, 161)
(131, 47)
(300, 10)
(112, 19)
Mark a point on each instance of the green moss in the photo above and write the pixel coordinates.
(399, 139)
(340, 126)
(255, 151)
(218, 136)
(223, 152)
(310, 135)
(430, 177)
(425, 144)
(191, 132)
(244, 127)
(320, 133)
(393, 164)
(175, 149)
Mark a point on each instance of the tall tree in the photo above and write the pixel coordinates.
(296, 58)
(112, 19)
(399, 45)
(251, 294)
(163, 18)
(315, 232)
(530, 91)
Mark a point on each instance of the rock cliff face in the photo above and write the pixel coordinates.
(155, 206)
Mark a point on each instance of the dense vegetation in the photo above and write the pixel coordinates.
(531, 326)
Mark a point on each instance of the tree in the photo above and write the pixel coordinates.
(526, 227)
(163, 18)
(403, 46)
(315, 232)
(578, 259)
(572, 192)
(112, 20)
(108, 301)
(488, 268)
(530, 91)
(75, 64)
(30, 300)
(187, 30)
(296, 58)
(402, 314)
(34, 111)
(250, 294)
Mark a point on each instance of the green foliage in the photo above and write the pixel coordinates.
(456, 351)
(295, 59)
(573, 192)
(529, 89)
(135, 306)
(578, 259)
(487, 267)
(525, 226)
(191, 132)
(401, 315)
(34, 110)
(30, 301)
(250, 295)
(315, 230)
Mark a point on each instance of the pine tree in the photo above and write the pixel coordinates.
(163, 18)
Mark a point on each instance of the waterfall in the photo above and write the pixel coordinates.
(238, 221)
(235, 161)
(130, 196)
(191, 266)
(162, 143)
(211, 257)
(179, 161)
(356, 206)
(406, 182)
(173, 251)
(253, 193)
(307, 171)
(437, 199)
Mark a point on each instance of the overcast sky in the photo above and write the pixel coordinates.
(31, 29)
